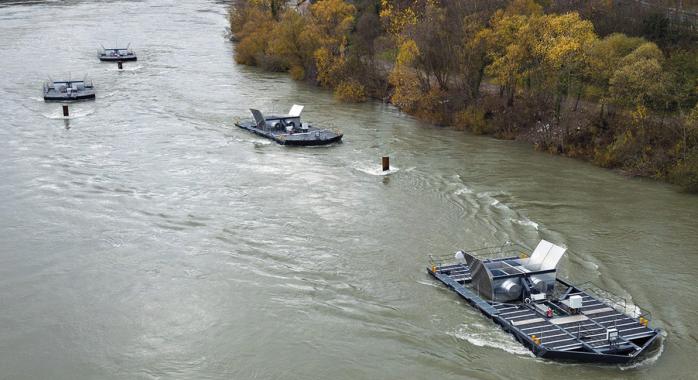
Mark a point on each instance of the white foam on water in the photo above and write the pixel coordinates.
(491, 336)
(261, 142)
(648, 361)
(633, 309)
(432, 284)
(464, 190)
(37, 98)
(488, 196)
(257, 142)
(50, 186)
(126, 67)
(375, 169)
(515, 218)
(590, 265)
(58, 115)
(526, 222)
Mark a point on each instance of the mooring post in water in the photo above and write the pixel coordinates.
(120, 64)
(65, 110)
(386, 164)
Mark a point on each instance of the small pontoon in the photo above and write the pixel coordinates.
(68, 90)
(288, 129)
(551, 317)
(117, 54)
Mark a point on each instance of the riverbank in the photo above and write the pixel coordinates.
(619, 102)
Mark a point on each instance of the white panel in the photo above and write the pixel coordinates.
(576, 302)
(295, 110)
(538, 296)
(545, 256)
(570, 319)
(527, 321)
(536, 259)
(597, 311)
(552, 258)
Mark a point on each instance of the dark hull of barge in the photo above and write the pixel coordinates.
(65, 98)
(117, 59)
(313, 137)
(559, 341)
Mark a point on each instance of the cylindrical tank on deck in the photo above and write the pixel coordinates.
(511, 288)
(539, 284)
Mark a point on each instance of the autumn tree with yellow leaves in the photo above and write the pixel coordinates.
(311, 45)
(504, 67)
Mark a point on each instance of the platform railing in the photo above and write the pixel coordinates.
(508, 249)
(619, 303)
(500, 251)
(493, 252)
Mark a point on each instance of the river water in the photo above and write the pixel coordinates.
(147, 237)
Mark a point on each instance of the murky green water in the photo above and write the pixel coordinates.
(147, 237)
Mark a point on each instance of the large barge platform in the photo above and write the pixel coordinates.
(288, 129)
(551, 317)
(68, 90)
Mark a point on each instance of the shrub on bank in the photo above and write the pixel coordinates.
(685, 173)
(252, 28)
(297, 72)
(310, 44)
(624, 148)
(350, 91)
(473, 119)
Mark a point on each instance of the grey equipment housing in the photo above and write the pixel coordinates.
(288, 129)
(510, 279)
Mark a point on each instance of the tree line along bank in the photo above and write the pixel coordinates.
(590, 79)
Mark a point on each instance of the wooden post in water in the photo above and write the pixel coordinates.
(120, 64)
(386, 164)
(65, 110)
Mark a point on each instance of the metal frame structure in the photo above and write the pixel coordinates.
(548, 328)
(84, 92)
(288, 129)
(130, 55)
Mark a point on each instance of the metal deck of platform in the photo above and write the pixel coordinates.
(313, 136)
(581, 337)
